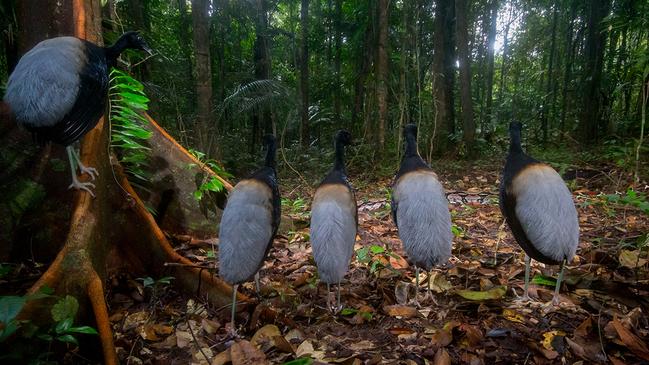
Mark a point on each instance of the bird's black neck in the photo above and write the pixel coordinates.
(271, 151)
(515, 142)
(339, 159)
(112, 52)
(411, 145)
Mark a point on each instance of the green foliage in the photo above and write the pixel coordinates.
(544, 280)
(209, 183)
(62, 328)
(631, 197)
(376, 258)
(129, 133)
(297, 208)
(353, 311)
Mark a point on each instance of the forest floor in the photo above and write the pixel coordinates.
(474, 315)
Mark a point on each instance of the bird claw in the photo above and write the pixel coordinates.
(83, 186)
(90, 171)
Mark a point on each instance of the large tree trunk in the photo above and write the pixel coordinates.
(567, 69)
(489, 77)
(548, 105)
(261, 120)
(382, 71)
(304, 74)
(443, 74)
(590, 114)
(337, 61)
(468, 123)
(90, 230)
(364, 60)
(203, 70)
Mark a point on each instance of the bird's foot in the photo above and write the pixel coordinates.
(90, 171)
(525, 298)
(87, 186)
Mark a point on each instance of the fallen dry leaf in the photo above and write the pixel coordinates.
(631, 341)
(263, 338)
(439, 283)
(399, 310)
(631, 259)
(494, 293)
(512, 315)
(442, 357)
(244, 353)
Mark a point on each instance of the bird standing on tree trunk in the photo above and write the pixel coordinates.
(420, 210)
(59, 88)
(250, 221)
(539, 210)
(334, 221)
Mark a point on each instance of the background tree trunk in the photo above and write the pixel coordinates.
(203, 67)
(337, 61)
(261, 120)
(547, 104)
(444, 74)
(382, 71)
(468, 124)
(489, 77)
(304, 74)
(590, 114)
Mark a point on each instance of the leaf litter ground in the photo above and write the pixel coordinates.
(474, 315)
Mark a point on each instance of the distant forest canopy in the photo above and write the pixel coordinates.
(226, 72)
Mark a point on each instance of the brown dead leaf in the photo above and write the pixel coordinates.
(473, 334)
(583, 330)
(439, 283)
(283, 345)
(183, 338)
(402, 311)
(134, 320)
(397, 262)
(442, 358)
(633, 342)
(210, 326)
(147, 333)
(222, 358)
(244, 353)
(631, 259)
(306, 349)
(263, 338)
(361, 346)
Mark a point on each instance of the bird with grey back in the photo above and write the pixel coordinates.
(59, 88)
(539, 209)
(420, 210)
(249, 224)
(334, 221)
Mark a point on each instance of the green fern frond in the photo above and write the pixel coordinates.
(129, 133)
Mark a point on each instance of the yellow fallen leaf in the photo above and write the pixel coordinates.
(493, 293)
(513, 316)
(548, 337)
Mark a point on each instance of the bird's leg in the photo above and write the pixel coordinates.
(76, 184)
(528, 265)
(83, 169)
(233, 329)
(338, 306)
(416, 285)
(328, 297)
(557, 288)
(257, 286)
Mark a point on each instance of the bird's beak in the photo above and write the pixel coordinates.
(148, 50)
